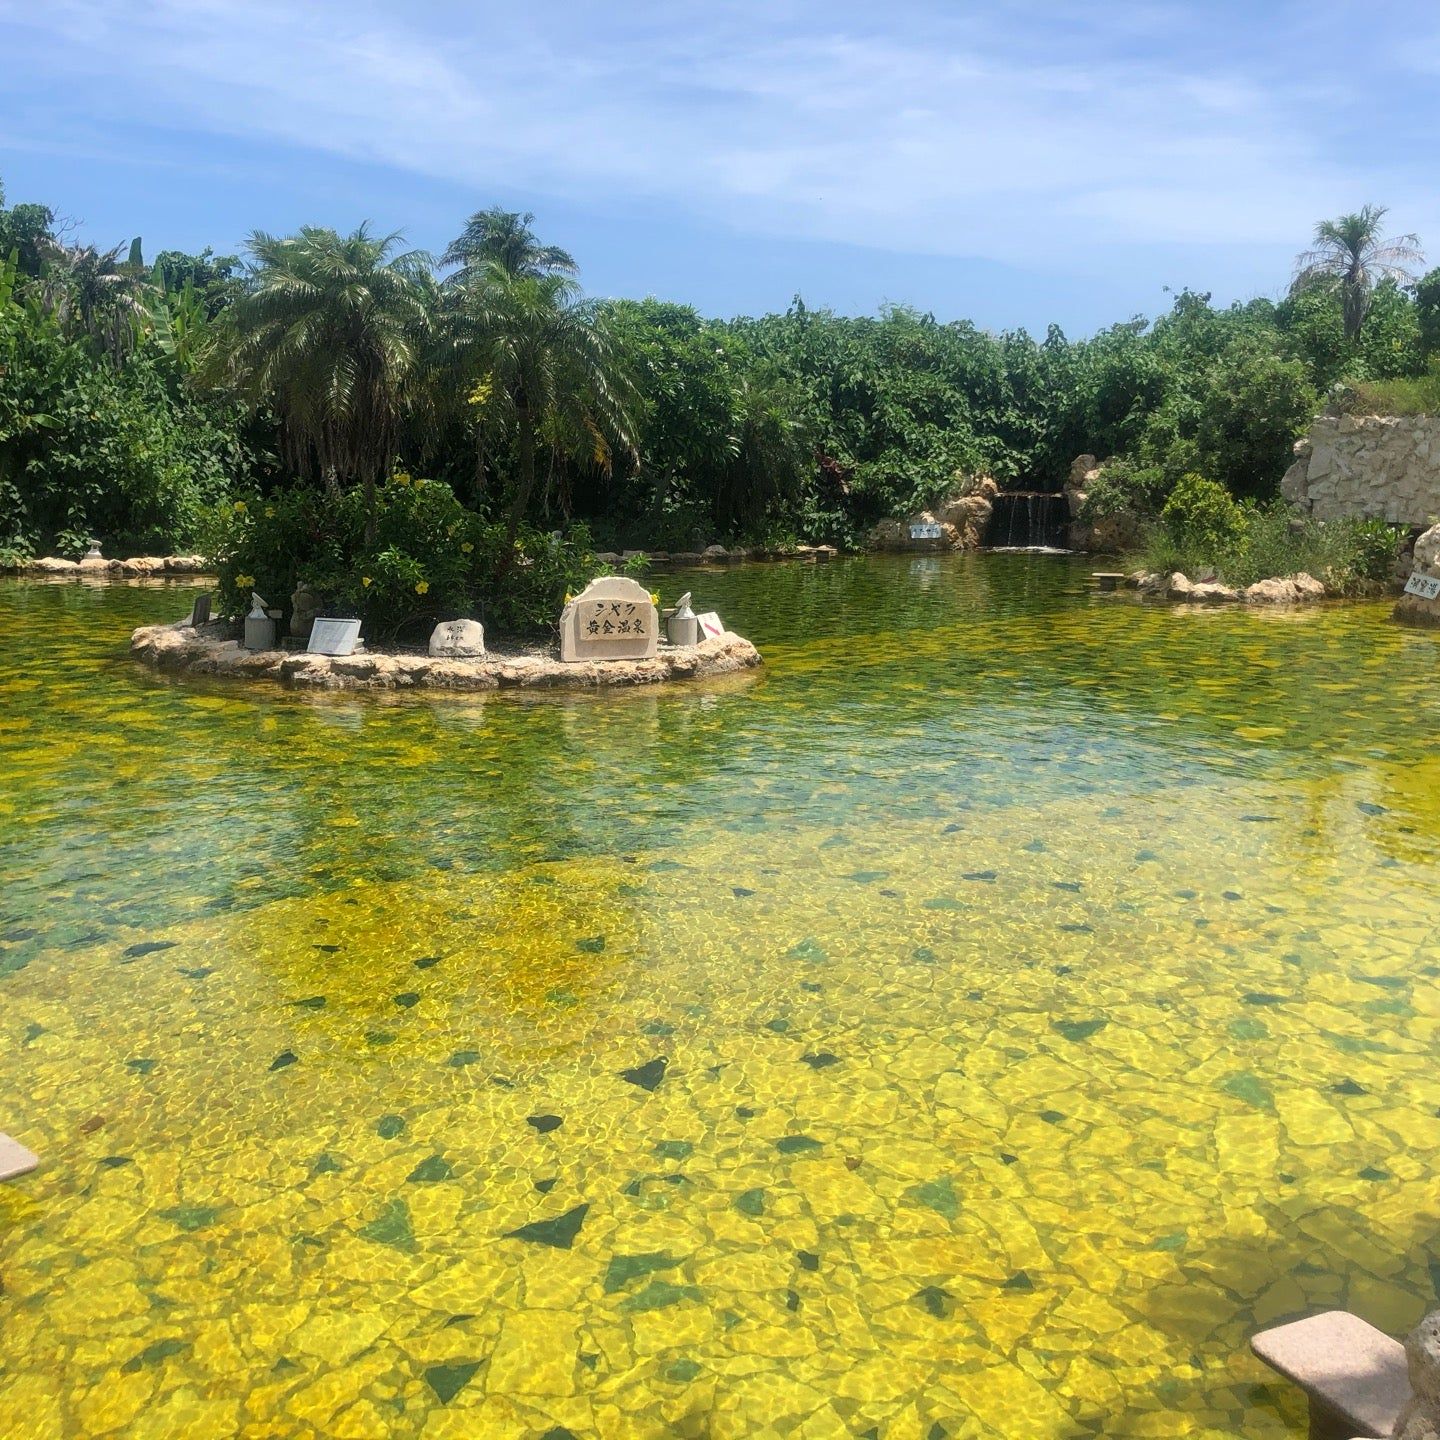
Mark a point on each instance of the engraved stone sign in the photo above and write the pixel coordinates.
(613, 618)
(1427, 587)
(927, 531)
(333, 637)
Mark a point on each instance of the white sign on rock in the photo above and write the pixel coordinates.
(612, 618)
(1427, 587)
(711, 626)
(928, 530)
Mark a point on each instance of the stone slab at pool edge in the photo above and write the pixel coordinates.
(15, 1159)
(211, 650)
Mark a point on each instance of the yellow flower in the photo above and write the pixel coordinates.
(241, 507)
(365, 581)
(422, 587)
(655, 598)
(269, 512)
(244, 582)
(568, 597)
(481, 394)
(467, 547)
(401, 477)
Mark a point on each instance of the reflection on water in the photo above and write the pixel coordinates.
(974, 1027)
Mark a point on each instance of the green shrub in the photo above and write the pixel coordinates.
(430, 559)
(1272, 540)
(1123, 488)
(1203, 517)
(1419, 395)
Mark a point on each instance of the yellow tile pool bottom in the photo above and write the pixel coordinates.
(1043, 1005)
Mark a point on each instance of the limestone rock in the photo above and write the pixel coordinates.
(1368, 465)
(962, 518)
(1427, 551)
(1273, 591)
(458, 638)
(1420, 1420)
(1415, 609)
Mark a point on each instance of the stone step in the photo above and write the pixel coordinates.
(15, 1159)
(1354, 1375)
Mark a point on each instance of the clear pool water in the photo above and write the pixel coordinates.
(973, 1026)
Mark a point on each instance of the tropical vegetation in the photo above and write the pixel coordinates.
(271, 407)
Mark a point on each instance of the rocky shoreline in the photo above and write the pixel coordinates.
(215, 650)
(1301, 589)
(95, 568)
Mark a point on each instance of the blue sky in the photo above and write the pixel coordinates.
(1015, 163)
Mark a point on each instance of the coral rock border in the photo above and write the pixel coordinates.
(1301, 589)
(138, 568)
(213, 650)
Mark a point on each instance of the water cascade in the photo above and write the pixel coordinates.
(1028, 520)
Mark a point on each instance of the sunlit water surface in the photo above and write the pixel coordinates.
(974, 1026)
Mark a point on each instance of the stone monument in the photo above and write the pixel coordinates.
(458, 639)
(613, 618)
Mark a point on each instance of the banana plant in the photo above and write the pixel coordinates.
(177, 321)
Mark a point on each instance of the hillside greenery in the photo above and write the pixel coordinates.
(141, 400)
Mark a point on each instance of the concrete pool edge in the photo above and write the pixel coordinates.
(211, 651)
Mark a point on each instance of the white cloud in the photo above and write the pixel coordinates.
(1017, 133)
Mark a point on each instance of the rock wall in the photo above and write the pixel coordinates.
(962, 520)
(1102, 534)
(1384, 467)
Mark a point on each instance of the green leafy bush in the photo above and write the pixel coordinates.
(1273, 540)
(429, 559)
(1203, 517)
(1123, 488)
(1415, 395)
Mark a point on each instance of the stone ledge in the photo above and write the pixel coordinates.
(137, 568)
(1301, 589)
(212, 650)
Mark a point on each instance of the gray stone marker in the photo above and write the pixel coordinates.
(15, 1159)
(1354, 1375)
(612, 618)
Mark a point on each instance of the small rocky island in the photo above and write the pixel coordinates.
(609, 637)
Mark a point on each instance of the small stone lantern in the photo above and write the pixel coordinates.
(259, 627)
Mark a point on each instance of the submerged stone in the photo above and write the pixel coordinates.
(558, 1233)
(647, 1076)
(622, 1269)
(447, 1381)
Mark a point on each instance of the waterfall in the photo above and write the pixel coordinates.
(1028, 520)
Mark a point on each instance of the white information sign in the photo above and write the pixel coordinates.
(930, 531)
(333, 637)
(711, 625)
(1427, 587)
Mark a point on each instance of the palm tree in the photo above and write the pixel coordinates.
(329, 334)
(503, 238)
(95, 292)
(1351, 255)
(540, 371)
